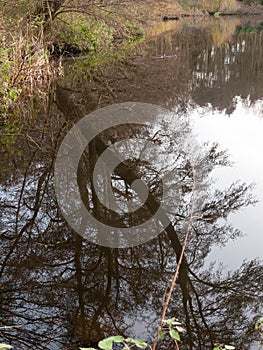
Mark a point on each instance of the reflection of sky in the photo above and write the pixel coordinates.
(241, 134)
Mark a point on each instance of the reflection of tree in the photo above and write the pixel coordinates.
(229, 70)
(211, 62)
(67, 292)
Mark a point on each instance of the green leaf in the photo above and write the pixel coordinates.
(169, 320)
(106, 344)
(259, 323)
(180, 329)
(172, 321)
(161, 335)
(217, 14)
(216, 348)
(175, 335)
(129, 340)
(117, 339)
(88, 349)
(140, 344)
(229, 347)
(5, 346)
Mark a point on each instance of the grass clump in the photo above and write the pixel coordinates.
(25, 73)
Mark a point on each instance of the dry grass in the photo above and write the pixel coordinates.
(25, 70)
(219, 5)
(211, 5)
(29, 61)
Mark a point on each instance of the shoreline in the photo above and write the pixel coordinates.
(210, 14)
(168, 10)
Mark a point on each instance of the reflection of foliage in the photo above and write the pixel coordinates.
(250, 28)
(8, 93)
(222, 31)
(252, 1)
(8, 134)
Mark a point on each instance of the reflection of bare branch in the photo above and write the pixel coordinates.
(41, 188)
(33, 141)
(10, 327)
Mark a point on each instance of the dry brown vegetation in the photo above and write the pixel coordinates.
(219, 5)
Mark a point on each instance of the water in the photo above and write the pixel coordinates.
(240, 134)
(62, 292)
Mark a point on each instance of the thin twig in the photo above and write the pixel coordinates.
(174, 280)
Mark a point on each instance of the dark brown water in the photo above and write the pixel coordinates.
(62, 292)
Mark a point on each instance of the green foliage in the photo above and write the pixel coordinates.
(103, 41)
(172, 327)
(225, 347)
(81, 33)
(8, 92)
(141, 344)
(259, 324)
(26, 41)
(5, 346)
(174, 334)
(108, 343)
(9, 129)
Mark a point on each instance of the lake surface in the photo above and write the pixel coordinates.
(59, 290)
